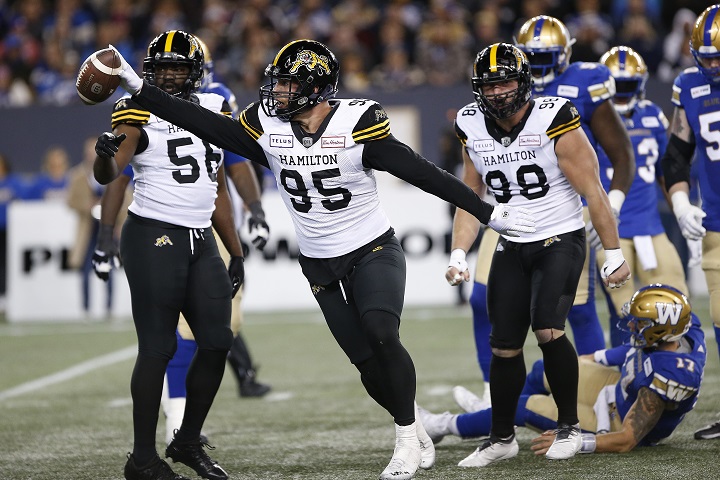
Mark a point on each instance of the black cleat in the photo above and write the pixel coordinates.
(158, 469)
(708, 433)
(193, 455)
(249, 388)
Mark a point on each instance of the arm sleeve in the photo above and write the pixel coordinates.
(676, 161)
(395, 157)
(218, 129)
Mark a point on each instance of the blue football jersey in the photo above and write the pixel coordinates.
(701, 101)
(674, 376)
(587, 85)
(222, 90)
(646, 128)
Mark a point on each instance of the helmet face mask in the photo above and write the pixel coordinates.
(630, 73)
(656, 314)
(499, 64)
(167, 52)
(547, 43)
(303, 74)
(705, 43)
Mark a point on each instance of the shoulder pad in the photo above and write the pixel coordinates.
(566, 119)
(374, 124)
(459, 133)
(127, 111)
(250, 120)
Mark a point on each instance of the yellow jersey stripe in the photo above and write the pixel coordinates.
(567, 128)
(255, 133)
(574, 120)
(374, 135)
(133, 111)
(385, 124)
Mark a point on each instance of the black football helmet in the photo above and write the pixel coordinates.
(313, 72)
(501, 62)
(175, 46)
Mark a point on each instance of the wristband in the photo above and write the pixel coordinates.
(457, 256)
(680, 202)
(614, 256)
(617, 198)
(589, 443)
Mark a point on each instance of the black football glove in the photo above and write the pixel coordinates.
(107, 144)
(106, 256)
(257, 226)
(236, 270)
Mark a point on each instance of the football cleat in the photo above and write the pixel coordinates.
(437, 425)
(406, 456)
(493, 450)
(470, 402)
(568, 441)
(158, 469)
(193, 455)
(708, 433)
(427, 446)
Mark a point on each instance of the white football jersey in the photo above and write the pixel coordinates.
(176, 174)
(521, 168)
(332, 198)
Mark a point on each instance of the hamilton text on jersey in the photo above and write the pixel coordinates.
(508, 157)
(308, 159)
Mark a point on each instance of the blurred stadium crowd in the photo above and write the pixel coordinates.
(389, 45)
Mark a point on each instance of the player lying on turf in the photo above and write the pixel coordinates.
(642, 404)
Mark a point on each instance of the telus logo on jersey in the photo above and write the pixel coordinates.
(332, 142)
(487, 145)
(281, 141)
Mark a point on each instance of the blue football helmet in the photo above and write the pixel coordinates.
(705, 42)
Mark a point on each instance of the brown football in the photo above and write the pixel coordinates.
(99, 76)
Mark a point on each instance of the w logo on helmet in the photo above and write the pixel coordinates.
(668, 313)
(312, 61)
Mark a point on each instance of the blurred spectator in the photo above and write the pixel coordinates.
(167, 15)
(592, 29)
(619, 9)
(443, 49)
(52, 182)
(676, 48)
(392, 34)
(84, 194)
(638, 33)
(315, 18)
(11, 188)
(487, 28)
(395, 72)
(54, 79)
(364, 17)
(21, 49)
(14, 92)
(354, 77)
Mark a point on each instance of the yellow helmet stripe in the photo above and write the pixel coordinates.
(279, 54)
(493, 57)
(168, 41)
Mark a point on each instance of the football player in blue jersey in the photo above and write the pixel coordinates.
(695, 133)
(244, 180)
(547, 43)
(661, 369)
(650, 254)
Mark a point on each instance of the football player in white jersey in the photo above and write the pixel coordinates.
(323, 152)
(105, 258)
(170, 254)
(695, 136)
(530, 153)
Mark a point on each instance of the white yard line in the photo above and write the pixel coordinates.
(70, 373)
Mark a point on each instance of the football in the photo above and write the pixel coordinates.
(99, 76)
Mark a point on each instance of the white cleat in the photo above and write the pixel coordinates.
(491, 452)
(406, 457)
(568, 441)
(437, 425)
(427, 447)
(468, 401)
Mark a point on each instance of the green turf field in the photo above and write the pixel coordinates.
(65, 411)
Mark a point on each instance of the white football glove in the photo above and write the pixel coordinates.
(258, 228)
(457, 260)
(129, 80)
(511, 221)
(613, 260)
(689, 216)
